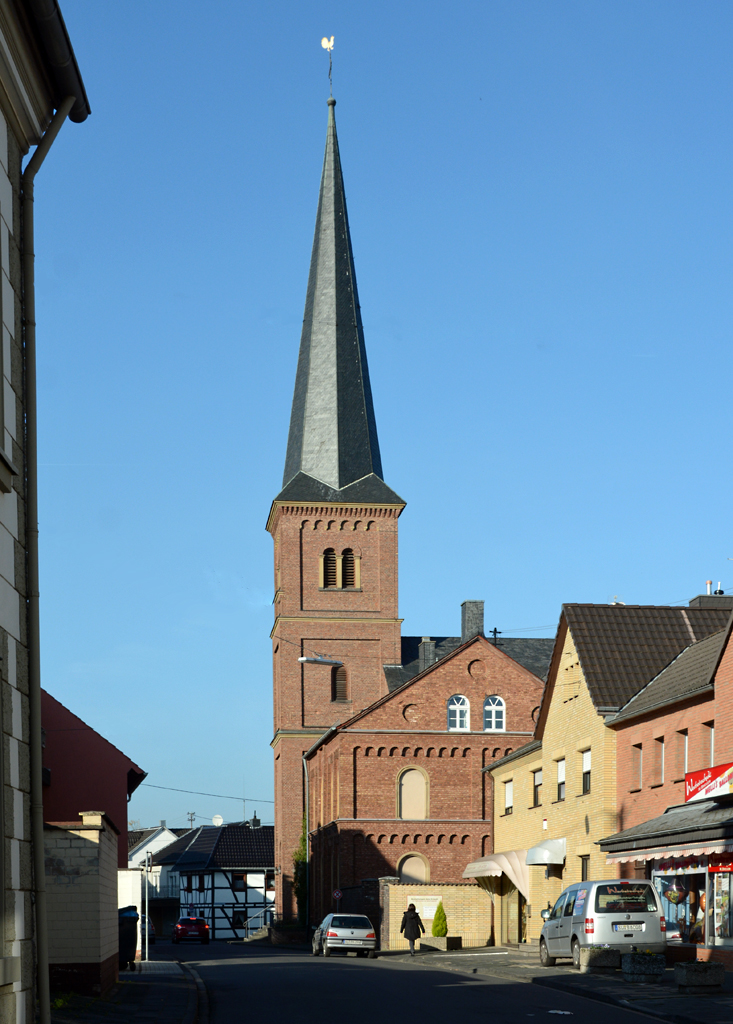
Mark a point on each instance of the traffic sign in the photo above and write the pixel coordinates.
(337, 894)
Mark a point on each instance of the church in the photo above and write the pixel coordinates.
(379, 739)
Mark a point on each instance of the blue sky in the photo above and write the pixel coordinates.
(540, 204)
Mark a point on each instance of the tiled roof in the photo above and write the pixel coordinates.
(534, 654)
(244, 847)
(689, 673)
(622, 647)
(137, 836)
(228, 846)
(695, 822)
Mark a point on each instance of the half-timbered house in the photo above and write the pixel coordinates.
(225, 875)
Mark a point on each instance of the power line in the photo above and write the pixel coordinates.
(220, 796)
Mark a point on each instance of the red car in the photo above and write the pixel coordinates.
(194, 928)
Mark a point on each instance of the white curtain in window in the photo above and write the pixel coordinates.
(538, 778)
(561, 771)
(586, 760)
(508, 795)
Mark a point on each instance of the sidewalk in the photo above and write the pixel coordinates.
(517, 965)
(158, 992)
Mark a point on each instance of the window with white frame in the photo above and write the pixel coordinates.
(458, 714)
(508, 797)
(494, 714)
(561, 779)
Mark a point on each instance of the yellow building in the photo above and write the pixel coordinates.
(555, 797)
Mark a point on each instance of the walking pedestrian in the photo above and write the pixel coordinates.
(412, 926)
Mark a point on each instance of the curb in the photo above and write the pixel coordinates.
(197, 1010)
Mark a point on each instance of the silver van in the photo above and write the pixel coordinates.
(618, 913)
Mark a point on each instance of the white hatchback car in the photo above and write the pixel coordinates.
(345, 933)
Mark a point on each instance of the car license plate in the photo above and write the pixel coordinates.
(628, 927)
(352, 942)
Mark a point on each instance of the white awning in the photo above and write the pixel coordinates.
(512, 863)
(552, 851)
(670, 852)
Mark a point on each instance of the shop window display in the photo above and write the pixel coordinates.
(684, 901)
(721, 872)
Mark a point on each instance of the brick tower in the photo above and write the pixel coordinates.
(334, 524)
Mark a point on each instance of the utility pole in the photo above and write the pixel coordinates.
(191, 818)
(495, 632)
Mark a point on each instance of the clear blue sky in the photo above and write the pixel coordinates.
(540, 203)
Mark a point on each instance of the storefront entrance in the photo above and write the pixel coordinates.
(513, 914)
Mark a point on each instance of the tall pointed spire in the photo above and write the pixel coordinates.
(333, 449)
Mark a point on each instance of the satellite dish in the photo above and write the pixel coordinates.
(217, 820)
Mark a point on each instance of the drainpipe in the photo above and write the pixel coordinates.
(31, 497)
(306, 755)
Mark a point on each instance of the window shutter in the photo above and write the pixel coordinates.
(538, 778)
(329, 568)
(339, 684)
(586, 760)
(347, 569)
(561, 770)
(508, 794)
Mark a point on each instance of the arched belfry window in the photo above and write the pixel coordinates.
(459, 713)
(348, 570)
(339, 684)
(494, 714)
(329, 568)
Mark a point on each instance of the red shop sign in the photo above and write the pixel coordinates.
(709, 782)
(720, 869)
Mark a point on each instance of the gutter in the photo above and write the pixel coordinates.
(306, 755)
(59, 56)
(31, 494)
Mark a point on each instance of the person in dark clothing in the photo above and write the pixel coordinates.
(412, 926)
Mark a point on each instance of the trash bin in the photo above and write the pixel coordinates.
(127, 918)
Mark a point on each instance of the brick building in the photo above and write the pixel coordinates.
(675, 733)
(558, 795)
(397, 789)
(338, 653)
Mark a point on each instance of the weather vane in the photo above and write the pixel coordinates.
(327, 44)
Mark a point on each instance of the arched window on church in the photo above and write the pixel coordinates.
(494, 714)
(329, 568)
(339, 684)
(348, 569)
(413, 795)
(458, 714)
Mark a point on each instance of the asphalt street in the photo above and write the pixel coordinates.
(292, 986)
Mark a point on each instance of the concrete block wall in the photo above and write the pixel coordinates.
(81, 886)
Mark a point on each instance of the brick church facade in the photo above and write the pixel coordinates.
(379, 740)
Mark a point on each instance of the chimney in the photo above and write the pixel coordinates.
(255, 822)
(427, 653)
(472, 620)
(162, 823)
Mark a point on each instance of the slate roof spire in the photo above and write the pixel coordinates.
(333, 449)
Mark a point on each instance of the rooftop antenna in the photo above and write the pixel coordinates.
(327, 44)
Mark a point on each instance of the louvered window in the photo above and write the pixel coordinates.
(329, 568)
(339, 684)
(347, 569)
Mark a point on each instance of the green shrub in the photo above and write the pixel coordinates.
(440, 925)
(300, 875)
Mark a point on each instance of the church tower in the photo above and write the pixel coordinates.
(334, 524)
